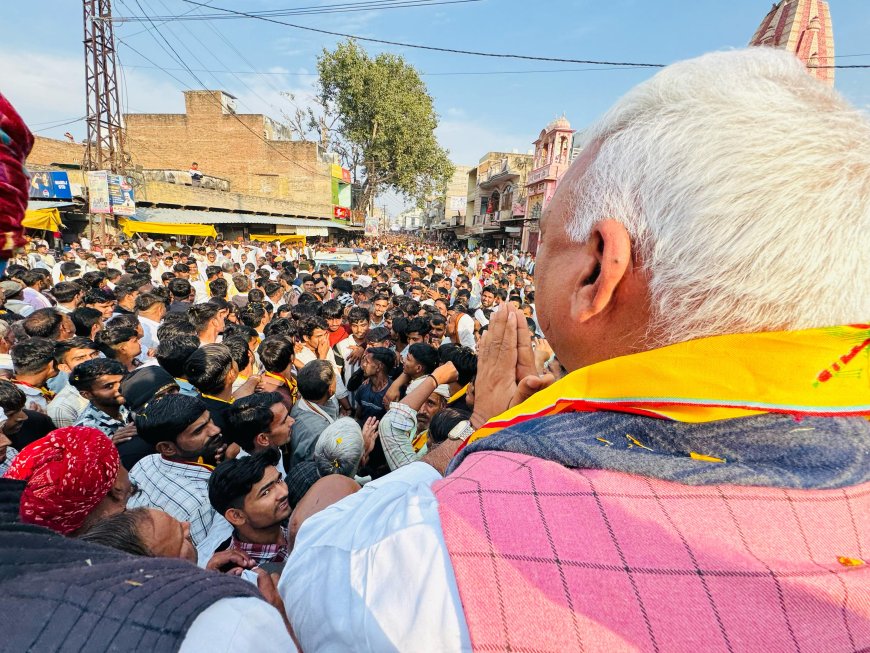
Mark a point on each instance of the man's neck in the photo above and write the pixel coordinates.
(36, 380)
(226, 394)
(320, 402)
(379, 380)
(270, 535)
(207, 337)
(113, 411)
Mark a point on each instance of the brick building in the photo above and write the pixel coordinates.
(250, 151)
(803, 27)
(256, 180)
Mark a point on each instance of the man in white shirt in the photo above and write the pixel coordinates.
(150, 309)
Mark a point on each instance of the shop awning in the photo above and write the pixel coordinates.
(283, 238)
(131, 227)
(45, 219)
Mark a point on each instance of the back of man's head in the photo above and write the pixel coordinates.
(31, 356)
(315, 379)
(43, 323)
(249, 416)
(426, 355)
(705, 166)
(208, 367)
(167, 417)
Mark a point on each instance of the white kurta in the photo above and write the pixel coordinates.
(372, 572)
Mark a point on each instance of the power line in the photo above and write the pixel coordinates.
(369, 5)
(432, 47)
(63, 124)
(436, 74)
(204, 87)
(417, 46)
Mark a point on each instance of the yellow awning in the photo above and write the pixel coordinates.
(175, 228)
(283, 238)
(47, 219)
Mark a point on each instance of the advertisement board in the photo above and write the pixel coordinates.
(50, 185)
(121, 195)
(371, 227)
(98, 192)
(341, 212)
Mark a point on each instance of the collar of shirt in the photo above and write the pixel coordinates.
(263, 553)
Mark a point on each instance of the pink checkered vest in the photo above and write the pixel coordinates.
(555, 559)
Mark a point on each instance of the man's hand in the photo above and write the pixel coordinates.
(355, 355)
(506, 375)
(446, 374)
(370, 436)
(230, 561)
(124, 434)
(322, 349)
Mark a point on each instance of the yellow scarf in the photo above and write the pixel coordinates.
(812, 373)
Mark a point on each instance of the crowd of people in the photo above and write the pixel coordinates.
(234, 446)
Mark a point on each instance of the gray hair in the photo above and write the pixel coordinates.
(339, 448)
(744, 185)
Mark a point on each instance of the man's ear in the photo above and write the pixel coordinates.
(262, 440)
(607, 260)
(167, 449)
(235, 517)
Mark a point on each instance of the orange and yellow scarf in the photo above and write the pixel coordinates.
(812, 373)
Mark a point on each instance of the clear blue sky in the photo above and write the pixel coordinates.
(494, 104)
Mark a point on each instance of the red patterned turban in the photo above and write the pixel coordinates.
(16, 141)
(68, 473)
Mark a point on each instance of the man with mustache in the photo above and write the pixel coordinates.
(251, 494)
(175, 479)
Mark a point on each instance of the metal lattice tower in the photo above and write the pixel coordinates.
(105, 139)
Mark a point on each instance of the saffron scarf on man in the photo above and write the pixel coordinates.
(811, 373)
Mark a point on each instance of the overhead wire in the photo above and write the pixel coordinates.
(368, 5)
(432, 48)
(179, 59)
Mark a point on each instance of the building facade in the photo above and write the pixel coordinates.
(554, 152)
(803, 27)
(255, 180)
(445, 213)
(495, 216)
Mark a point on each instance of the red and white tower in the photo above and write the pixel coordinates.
(803, 27)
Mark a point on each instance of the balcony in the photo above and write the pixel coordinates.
(550, 171)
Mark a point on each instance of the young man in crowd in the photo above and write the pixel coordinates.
(212, 370)
(66, 406)
(208, 320)
(277, 355)
(251, 495)
(34, 364)
(49, 323)
(175, 479)
(349, 351)
(316, 409)
(172, 355)
(68, 296)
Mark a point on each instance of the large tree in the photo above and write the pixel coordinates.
(381, 122)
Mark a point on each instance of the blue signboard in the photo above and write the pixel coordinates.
(50, 185)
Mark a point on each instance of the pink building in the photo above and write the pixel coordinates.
(803, 27)
(553, 155)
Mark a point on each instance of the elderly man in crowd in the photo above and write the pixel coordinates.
(699, 479)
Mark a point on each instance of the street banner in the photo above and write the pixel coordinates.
(371, 227)
(121, 195)
(98, 191)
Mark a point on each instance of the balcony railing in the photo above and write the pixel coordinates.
(182, 177)
(549, 171)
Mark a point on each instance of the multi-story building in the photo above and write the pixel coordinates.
(554, 152)
(255, 179)
(495, 218)
(445, 213)
(803, 27)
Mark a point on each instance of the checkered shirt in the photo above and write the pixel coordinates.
(94, 417)
(180, 489)
(549, 558)
(263, 553)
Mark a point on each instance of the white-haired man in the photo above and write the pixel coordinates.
(699, 480)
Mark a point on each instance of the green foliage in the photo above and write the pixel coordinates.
(385, 123)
